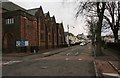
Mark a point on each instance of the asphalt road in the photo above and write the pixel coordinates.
(76, 61)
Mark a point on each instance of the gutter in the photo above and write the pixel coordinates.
(96, 71)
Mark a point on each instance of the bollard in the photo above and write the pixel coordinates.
(34, 51)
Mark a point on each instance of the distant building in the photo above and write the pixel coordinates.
(72, 39)
(119, 34)
(82, 37)
(108, 39)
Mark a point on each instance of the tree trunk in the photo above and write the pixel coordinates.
(115, 36)
(100, 13)
(98, 50)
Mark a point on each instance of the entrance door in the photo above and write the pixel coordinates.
(8, 43)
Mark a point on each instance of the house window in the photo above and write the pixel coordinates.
(12, 20)
(9, 21)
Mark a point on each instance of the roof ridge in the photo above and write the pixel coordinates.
(32, 9)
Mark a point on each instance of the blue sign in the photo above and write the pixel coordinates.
(22, 43)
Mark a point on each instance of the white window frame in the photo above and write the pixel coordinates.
(9, 21)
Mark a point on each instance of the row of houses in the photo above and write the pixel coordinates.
(29, 29)
(71, 39)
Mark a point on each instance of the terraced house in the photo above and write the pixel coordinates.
(29, 30)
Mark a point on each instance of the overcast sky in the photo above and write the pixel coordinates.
(63, 10)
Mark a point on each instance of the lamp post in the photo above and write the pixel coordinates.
(25, 48)
(68, 34)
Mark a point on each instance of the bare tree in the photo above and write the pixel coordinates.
(100, 13)
(94, 8)
(91, 24)
(114, 10)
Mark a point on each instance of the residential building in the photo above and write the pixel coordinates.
(71, 39)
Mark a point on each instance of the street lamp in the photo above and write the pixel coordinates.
(68, 34)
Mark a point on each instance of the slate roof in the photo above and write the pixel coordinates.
(65, 33)
(32, 11)
(11, 6)
(45, 14)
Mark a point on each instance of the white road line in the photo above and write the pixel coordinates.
(112, 74)
(66, 58)
(46, 53)
(11, 62)
(68, 54)
(76, 53)
(79, 59)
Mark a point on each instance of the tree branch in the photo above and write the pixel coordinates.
(107, 19)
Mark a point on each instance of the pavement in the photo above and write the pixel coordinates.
(108, 64)
(45, 52)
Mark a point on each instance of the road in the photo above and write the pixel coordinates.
(75, 61)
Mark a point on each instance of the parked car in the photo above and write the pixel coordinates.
(82, 44)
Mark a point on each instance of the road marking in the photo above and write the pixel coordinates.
(89, 47)
(66, 58)
(112, 74)
(76, 53)
(44, 67)
(40, 58)
(79, 59)
(46, 53)
(11, 62)
(68, 54)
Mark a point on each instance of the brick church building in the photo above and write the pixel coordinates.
(36, 28)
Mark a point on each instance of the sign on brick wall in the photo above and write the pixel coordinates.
(22, 43)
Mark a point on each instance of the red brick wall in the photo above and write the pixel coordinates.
(28, 30)
(55, 35)
(38, 33)
(49, 34)
(42, 33)
(22, 27)
(60, 34)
